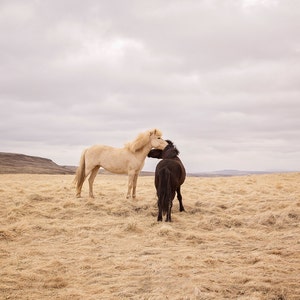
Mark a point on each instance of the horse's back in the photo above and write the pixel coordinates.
(112, 159)
(183, 172)
(115, 160)
(175, 167)
(99, 152)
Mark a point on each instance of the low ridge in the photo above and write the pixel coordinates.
(14, 163)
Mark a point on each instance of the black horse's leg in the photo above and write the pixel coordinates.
(179, 197)
(168, 219)
(159, 217)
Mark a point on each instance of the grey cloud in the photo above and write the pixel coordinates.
(220, 79)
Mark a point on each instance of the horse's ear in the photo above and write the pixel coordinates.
(156, 132)
(151, 132)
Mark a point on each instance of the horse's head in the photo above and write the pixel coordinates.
(155, 153)
(170, 151)
(156, 141)
(149, 138)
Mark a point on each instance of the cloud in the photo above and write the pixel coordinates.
(219, 79)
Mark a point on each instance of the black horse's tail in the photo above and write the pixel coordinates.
(165, 190)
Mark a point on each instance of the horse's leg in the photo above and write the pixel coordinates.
(91, 180)
(168, 219)
(135, 178)
(159, 216)
(80, 184)
(179, 197)
(130, 184)
(79, 188)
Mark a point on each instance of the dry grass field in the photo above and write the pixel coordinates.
(238, 239)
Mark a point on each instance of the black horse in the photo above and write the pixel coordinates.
(169, 176)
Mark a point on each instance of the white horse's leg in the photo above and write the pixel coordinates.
(80, 184)
(135, 178)
(91, 180)
(130, 184)
(79, 188)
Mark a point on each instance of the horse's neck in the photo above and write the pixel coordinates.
(171, 154)
(142, 153)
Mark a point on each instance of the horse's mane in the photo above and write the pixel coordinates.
(170, 150)
(141, 140)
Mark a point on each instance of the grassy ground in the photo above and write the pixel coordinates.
(238, 239)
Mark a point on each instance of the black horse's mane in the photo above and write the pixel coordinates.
(170, 150)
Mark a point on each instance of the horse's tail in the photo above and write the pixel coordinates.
(165, 190)
(80, 172)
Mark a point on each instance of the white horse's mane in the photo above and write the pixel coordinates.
(141, 140)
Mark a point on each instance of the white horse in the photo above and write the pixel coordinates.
(127, 160)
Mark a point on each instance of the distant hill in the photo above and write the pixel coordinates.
(224, 173)
(13, 163)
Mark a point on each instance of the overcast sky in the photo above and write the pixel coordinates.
(221, 79)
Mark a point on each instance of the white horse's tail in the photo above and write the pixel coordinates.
(80, 173)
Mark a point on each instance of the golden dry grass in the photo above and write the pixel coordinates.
(238, 239)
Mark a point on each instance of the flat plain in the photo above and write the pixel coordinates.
(239, 238)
